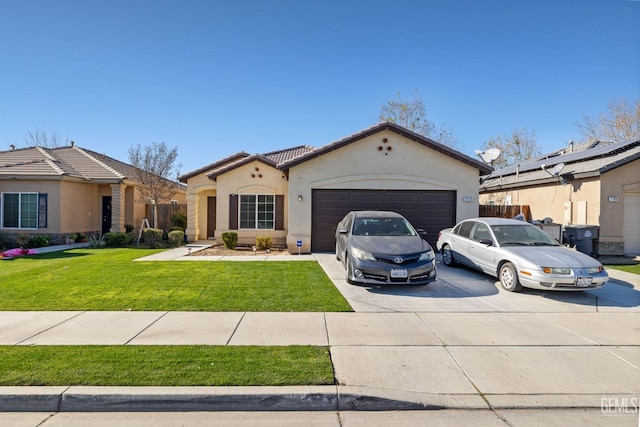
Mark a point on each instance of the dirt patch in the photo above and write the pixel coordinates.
(240, 251)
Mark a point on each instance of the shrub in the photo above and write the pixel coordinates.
(22, 240)
(230, 239)
(118, 239)
(94, 241)
(263, 242)
(39, 241)
(176, 238)
(128, 228)
(152, 237)
(179, 219)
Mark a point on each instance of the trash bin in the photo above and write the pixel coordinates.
(583, 237)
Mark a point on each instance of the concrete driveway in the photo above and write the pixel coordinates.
(463, 290)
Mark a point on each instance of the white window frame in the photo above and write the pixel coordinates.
(256, 205)
(20, 194)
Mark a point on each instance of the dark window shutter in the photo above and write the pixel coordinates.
(279, 212)
(233, 212)
(42, 210)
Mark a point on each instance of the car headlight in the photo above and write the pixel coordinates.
(595, 270)
(427, 256)
(556, 270)
(363, 255)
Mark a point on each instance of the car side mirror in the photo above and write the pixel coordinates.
(422, 233)
(487, 242)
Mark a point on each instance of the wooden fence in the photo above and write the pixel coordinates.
(165, 212)
(502, 211)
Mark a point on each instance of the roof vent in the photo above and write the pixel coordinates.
(73, 143)
(13, 147)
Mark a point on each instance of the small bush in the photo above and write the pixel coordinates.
(128, 228)
(230, 239)
(179, 219)
(39, 241)
(94, 241)
(22, 240)
(152, 237)
(263, 242)
(176, 238)
(117, 239)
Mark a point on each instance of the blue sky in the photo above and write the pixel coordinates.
(216, 77)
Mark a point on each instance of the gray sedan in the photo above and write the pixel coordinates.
(519, 254)
(378, 247)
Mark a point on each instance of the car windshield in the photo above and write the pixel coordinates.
(522, 235)
(383, 227)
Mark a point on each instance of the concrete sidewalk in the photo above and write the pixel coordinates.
(382, 361)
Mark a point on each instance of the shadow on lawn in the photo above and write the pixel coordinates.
(52, 255)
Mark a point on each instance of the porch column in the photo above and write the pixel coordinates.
(117, 208)
(193, 204)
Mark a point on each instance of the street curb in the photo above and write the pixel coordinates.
(291, 398)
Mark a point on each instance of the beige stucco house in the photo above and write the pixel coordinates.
(595, 183)
(68, 190)
(297, 196)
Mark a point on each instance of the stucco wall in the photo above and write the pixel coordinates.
(407, 165)
(199, 187)
(252, 178)
(53, 191)
(614, 184)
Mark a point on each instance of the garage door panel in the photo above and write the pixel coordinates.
(429, 210)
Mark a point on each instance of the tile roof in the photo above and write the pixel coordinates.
(590, 159)
(68, 161)
(273, 158)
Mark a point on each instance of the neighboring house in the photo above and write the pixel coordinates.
(298, 195)
(596, 183)
(68, 190)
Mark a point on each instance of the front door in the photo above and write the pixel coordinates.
(211, 217)
(106, 214)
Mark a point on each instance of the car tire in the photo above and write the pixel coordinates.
(349, 269)
(447, 256)
(509, 278)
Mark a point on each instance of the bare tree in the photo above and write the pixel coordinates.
(412, 114)
(155, 165)
(521, 145)
(47, 137)
(620, 122)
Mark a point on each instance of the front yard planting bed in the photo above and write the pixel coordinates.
(164, 366)
(109, 280)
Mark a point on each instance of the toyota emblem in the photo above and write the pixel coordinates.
(398, 260)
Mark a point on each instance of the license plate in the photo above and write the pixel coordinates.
(399, 273)
(584, 282)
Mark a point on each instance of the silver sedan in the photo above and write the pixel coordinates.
(520, 255)
(379, 247)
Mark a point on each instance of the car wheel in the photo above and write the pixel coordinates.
(509, 278)
(447, 256)
(349, 269)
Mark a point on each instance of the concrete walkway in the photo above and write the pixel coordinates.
(382, 361)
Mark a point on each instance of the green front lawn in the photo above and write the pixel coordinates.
(164, 366)
(635, 269)
(108, 279)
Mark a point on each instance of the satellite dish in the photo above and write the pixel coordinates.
(489, 156)
(555, 171)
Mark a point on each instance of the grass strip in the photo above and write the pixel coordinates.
(635, 269)
(165, 366)
(108, 279)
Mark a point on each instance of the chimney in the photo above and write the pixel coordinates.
(73, 143)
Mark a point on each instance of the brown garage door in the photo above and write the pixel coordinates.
(429, 210)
